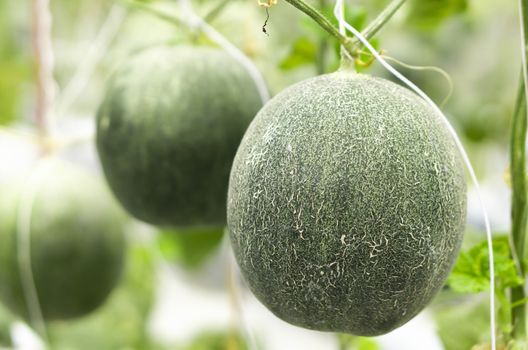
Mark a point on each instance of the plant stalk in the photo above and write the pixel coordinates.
(519, 186)
(382, 18)
(518, 212)
(215, 11)
(171, 18)
(350, 45)
(318, 17)
(320, 62)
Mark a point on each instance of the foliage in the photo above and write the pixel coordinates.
(471, 275)
(313, 46)
(217, 341)
(462, 323)
(15, 62)
(471, 271)
(350, 342)
(429, 14)
(190, 248)
(6, 318)
(303, 51)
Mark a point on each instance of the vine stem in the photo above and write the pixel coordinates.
(215, 11)
(43, 56)
(318, 17)
(518, 211)
(518, 176)
(350, 45)
(382, 18)
(193, 24)
(171, 18)
(77, 84)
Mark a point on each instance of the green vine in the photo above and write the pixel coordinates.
(518, 229)
(382, 19)
(519, 195)
(318, 17)
(351, 45)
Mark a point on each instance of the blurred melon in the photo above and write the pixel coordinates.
(75, 242)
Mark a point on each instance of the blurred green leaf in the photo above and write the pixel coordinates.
(351, 342)
(189, 247)
(356, 16)
(303, 51)
(471, 271)
(428, 14)
(461, 325)
(218, 341)
(15, 74)
(15, 61)
(6, 319)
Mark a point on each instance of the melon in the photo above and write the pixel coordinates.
(168, 130)
(76, 242)
(346, 204)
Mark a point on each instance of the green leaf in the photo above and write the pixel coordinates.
(367, 344)
(351, 342)
(428, 14)
(471, 271)
(6, 319)
(303, 51)
(466, 283)
(462, 324)
(217, 340)
(189, 247)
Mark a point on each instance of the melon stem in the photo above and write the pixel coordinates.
(352, 46)
(324, 23)
(380, 21)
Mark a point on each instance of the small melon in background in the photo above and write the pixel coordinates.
(76, 241)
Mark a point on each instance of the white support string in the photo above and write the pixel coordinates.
(93, 56)
(236, 292)
(339, 15)
(23, 234)
(196, 21)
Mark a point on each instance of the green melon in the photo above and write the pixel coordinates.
(168, 130)
(347, 204)
(76, 242)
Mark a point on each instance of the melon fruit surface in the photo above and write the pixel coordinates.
(168, 130)
(346, 204)
(76, 241)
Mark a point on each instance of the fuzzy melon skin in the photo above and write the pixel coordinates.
(76, 242)
(168, 130)
(346, 204)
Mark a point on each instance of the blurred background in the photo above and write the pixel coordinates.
(183, 291)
